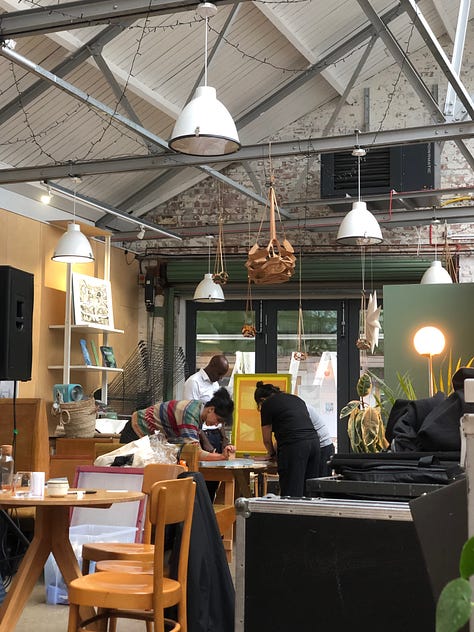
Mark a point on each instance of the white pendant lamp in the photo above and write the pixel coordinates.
(205, 127)
(73, 247)
(208, 291)
(436, 274)
(359, 227)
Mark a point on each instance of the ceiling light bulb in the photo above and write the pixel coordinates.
(141, 232)
(46, 198)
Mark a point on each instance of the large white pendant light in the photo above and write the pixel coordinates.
(208, 291)
(73, 247)
(359, 227)
(205, 127)
(436, 274)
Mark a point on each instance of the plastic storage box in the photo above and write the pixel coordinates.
(56, 590)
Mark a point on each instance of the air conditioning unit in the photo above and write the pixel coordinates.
(403, 168)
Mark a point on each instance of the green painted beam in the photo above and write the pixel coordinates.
(384, 269)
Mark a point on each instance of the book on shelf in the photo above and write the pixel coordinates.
(85, 352)
(108, 356)
(94, 353)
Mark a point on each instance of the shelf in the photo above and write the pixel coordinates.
(90, 329)
(85, 367)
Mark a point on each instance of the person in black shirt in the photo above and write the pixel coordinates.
(297, 443)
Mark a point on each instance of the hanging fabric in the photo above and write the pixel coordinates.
(276, 262)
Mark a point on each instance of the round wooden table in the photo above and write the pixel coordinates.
(51, 535)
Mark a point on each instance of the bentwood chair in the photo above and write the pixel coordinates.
(143, 551)
(140, 596)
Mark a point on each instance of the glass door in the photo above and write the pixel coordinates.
(324, 375)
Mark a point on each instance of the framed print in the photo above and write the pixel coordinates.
(92, 301)
(247, 428)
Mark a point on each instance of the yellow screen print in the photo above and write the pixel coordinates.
(246, 429)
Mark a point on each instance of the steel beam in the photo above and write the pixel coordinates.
(94, 103)
(72, 15)
(438, 53)
(280, 149)
(61, 70)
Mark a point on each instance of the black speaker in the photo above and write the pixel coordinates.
(16, 318)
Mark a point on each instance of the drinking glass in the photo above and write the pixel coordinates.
(22, 483)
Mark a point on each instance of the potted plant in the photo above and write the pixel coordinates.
(455, 605)
(365, 427)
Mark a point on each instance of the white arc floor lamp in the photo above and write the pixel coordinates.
(428, 342)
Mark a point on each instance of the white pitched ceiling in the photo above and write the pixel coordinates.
(276, 61)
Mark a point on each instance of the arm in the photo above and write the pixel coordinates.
(190, 390)
(268, 441)
(205, 443)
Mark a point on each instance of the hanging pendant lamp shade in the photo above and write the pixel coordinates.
(208, 292)
(359, 227)
(436, 274)
(73, 247)
(205, 127)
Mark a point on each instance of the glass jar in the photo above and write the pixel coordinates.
(6, 468)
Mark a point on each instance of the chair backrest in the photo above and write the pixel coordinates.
(172, 502)
(190, 453)
(153, 473)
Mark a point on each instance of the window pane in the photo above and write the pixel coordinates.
(314, 379)
(221, 332)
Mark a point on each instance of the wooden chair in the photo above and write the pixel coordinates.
(190, 453)
(97, 551)
(139, 596)
(65, 465)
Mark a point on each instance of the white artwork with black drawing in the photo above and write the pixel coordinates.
(92, 301)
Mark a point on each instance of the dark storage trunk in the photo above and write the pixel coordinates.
(341, 565)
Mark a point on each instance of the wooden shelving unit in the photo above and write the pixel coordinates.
(69, 328)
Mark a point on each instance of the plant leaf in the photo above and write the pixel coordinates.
(406, 385)
(454, 606)
(348, 408)
(466, 562)
(364, 385)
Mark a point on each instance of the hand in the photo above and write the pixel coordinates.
(229, 452)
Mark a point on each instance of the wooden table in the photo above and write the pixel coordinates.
(51, 536)
(238, 470)
(234, 474)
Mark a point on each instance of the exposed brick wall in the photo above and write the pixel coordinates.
(393, 104)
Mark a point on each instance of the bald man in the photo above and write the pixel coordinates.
(203, 384)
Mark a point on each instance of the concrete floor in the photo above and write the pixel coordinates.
(42, 617)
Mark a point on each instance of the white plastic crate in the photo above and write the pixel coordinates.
(56, 590)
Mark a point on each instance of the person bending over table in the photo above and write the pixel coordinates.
(181, 421)
(297, 443)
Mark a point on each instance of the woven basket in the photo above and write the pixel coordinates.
(78, 418)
